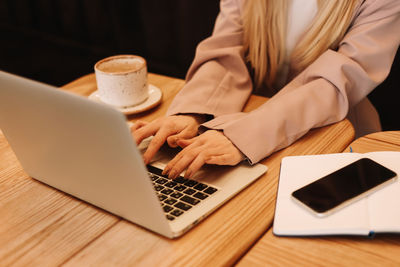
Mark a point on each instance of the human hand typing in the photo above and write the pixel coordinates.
(211, 147)
(168, 129)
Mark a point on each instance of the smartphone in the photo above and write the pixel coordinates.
(344, 186)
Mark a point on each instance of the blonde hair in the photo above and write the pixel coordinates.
(264, 23)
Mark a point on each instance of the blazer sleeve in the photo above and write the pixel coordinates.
(218, 81)
(322, 93)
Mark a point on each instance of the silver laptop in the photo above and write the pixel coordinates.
(86, 149)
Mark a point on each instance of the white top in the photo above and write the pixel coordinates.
(300, 15)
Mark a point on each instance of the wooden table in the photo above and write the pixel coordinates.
(43, 226)
(383, 250)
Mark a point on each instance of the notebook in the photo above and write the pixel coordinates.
(378, 212)
(86, 149)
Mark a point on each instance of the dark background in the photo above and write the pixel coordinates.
(57, 41)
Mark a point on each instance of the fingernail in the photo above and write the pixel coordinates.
(165, 171)
(188, 174)
(172, 174)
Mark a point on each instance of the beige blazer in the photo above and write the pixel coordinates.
(332, 88)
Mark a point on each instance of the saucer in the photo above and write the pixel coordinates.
(155, 96)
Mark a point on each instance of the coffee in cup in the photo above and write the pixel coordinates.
(122, 80)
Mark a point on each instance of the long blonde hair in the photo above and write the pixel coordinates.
(265, 22)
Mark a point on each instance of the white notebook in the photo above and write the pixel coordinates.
(376, 213)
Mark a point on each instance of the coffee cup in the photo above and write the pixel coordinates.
(122, 80)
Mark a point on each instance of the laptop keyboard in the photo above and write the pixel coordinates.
(179, 195)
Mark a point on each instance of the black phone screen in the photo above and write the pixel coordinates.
(342, 185)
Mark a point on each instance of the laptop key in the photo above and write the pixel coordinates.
(189, 191)
(170, 201)
(161, 181)
(154, 170)
(210, 190)
(153, 177)
(158, 187)
(162, 197)
(176, 195)
(190, 200)
(182, 206)
(168, 208)
(200, 195)
(169, 217)
(176, 212)
(171, 184)
(200, 186)
(180, 180)
(191, 183)
(180, 187)
(167, 191)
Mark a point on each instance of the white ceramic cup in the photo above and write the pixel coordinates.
(122, 80)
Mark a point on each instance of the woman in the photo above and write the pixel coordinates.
(317, 60)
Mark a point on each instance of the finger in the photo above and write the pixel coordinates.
(224, 159)
(171, 140)
(186, 142)
(158, 140)
(196, 164)
(145, 131)
(178, 158)
(138, 124)
(185, 134)
(184, 162)
(172, 162)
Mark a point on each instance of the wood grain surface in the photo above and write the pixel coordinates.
(42, 226)
(382, 250)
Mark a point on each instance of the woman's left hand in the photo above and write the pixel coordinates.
(211, 147)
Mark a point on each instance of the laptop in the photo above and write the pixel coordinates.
(86, 149)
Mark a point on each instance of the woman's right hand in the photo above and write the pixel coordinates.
(170, 129)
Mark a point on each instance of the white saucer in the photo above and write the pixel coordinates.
(155, 96)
